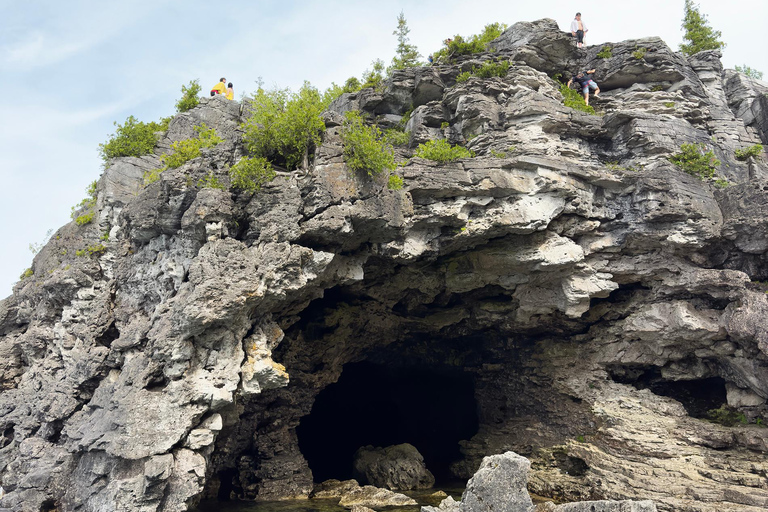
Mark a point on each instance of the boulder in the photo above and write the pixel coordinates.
(400, 467)
(499, 485)
(375, 498)
(333, 488)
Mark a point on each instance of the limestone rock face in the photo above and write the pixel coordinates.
(399, 468)
(600, 301)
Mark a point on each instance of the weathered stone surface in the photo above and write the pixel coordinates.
(398, 468)
(375, 498)
(499, 484)
(584, 282)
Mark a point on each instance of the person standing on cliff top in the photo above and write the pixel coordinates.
(585, 81)
(230, 92)
(579, 29)
(219, 88)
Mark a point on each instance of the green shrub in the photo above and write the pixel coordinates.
(394, 182)
(721, 183)
(657, 87)
(463, 77)
(490, 69)
(395, 137)
(498, 154)
(606, 52)
(284, 127)
(743, 154)
(727, 416)
(575, 100)
(374, 77)
(669, 104)
(87, 206)
(441, 151)
(751, 73)
(91, 250)
(695, 161)
(364, 149)
(475, 44)
(152, 175)
(27, 273)
(251, 173)
(188, 149)
(132, 138)
(189, 96)
(639, 53)
(210, 181)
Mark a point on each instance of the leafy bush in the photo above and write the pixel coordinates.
(695, 161)
(463, 76)
(639, 53)
(27, 273)
(698, 33)
(91, 250)
(395, 137)
(669, 104)
(727, 416)
(657, 87)
(374, 77)
(606, 52)
(88, 204)
(189, 98)
(186, 150)
(395, 182)
(284, 127)
(751, 73)
(475, 44)
(743, 154)
(210, 181)
(132, 138)
(251, 173)
(575, 100)
(491, 69)
(363, 148)
(441, 151)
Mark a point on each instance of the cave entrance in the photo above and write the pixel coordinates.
(382, 405)
(698, 396)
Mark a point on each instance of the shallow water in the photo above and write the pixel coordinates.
(422, 497)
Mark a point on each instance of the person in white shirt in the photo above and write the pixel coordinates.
(578, 29)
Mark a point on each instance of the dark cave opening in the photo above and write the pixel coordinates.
(382, 405)
(698, 396)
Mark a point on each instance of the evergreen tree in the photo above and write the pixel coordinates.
(407, 56)
(698, 33)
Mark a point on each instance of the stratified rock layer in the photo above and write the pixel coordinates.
(601, 299)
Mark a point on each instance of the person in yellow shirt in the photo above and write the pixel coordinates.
(230, 91)
(219, 88)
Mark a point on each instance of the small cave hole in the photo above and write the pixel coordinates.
(572, 466)
(109, 335)
(382, 405)
(8, 436)
(698, 396)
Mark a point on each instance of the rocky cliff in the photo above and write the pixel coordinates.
(576, 297)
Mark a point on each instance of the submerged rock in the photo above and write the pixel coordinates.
(375, 498)
(400, 467)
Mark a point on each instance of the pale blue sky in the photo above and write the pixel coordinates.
(70, 68)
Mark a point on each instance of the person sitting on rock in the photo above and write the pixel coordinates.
(579, 29)
(230, 92)
(585, 80)
(219, 88)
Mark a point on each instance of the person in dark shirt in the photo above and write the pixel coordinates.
(584, 78)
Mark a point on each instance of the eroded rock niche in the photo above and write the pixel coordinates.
(430, 407)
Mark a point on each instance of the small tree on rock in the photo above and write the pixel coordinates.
(407, 55)
(698, 33)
